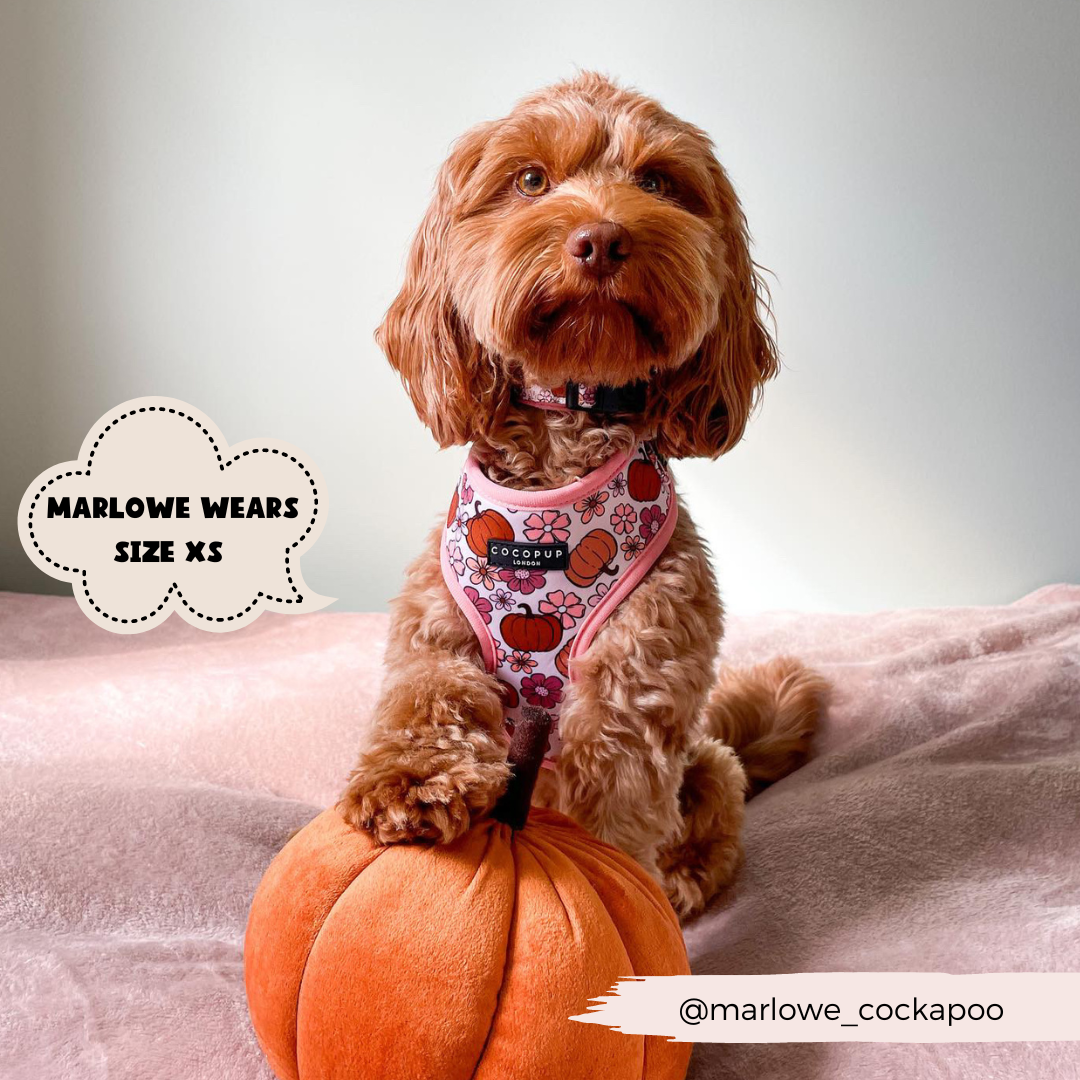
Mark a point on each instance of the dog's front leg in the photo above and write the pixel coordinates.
(436, 756)
(636, 768)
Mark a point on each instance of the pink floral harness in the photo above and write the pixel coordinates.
(538, 572)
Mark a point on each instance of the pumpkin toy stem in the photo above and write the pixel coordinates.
(528, 745)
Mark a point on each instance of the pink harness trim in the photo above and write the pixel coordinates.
(602, 534)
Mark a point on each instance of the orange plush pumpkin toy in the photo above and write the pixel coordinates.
(462, 961)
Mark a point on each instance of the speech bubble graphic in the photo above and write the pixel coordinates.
(159, 514)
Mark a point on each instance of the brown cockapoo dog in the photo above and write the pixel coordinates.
(591, 239)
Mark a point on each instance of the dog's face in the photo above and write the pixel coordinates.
(588, 236)
(585, 241)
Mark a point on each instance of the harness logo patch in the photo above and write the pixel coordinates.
(511, 555)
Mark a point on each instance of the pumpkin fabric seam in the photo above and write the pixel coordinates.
(542, 845)
(506, 959)
(315, 938)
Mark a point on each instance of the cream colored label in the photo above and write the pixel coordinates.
(159, 515)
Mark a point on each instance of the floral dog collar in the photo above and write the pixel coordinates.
(627, 400)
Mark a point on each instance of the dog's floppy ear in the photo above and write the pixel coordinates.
(700, 408)
(450, 381)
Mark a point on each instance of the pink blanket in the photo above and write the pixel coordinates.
(146, 782)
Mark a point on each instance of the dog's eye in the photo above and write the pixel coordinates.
(654, 183)
(532, 182)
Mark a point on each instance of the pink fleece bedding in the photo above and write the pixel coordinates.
(146, 782)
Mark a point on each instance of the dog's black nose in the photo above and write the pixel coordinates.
(601, 247)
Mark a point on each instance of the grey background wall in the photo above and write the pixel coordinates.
(211, 199)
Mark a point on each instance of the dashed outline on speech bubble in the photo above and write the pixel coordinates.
(79, 578)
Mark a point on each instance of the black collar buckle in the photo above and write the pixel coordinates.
(627, 399)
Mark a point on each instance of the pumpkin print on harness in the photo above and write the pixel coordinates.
(592, 557)
(642, 479)
(509, 694)
(537, 573)
(486, 525)
(531, 633)
(562, 661)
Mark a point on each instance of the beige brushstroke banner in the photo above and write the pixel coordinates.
(846, 1007)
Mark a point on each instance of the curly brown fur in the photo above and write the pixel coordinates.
(492, 299)
(768, 714)
(703, 855)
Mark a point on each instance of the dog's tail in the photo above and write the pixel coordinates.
(767, 715)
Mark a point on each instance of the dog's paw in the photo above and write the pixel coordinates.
(694, 875)
(705, 856)
(425, 785)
